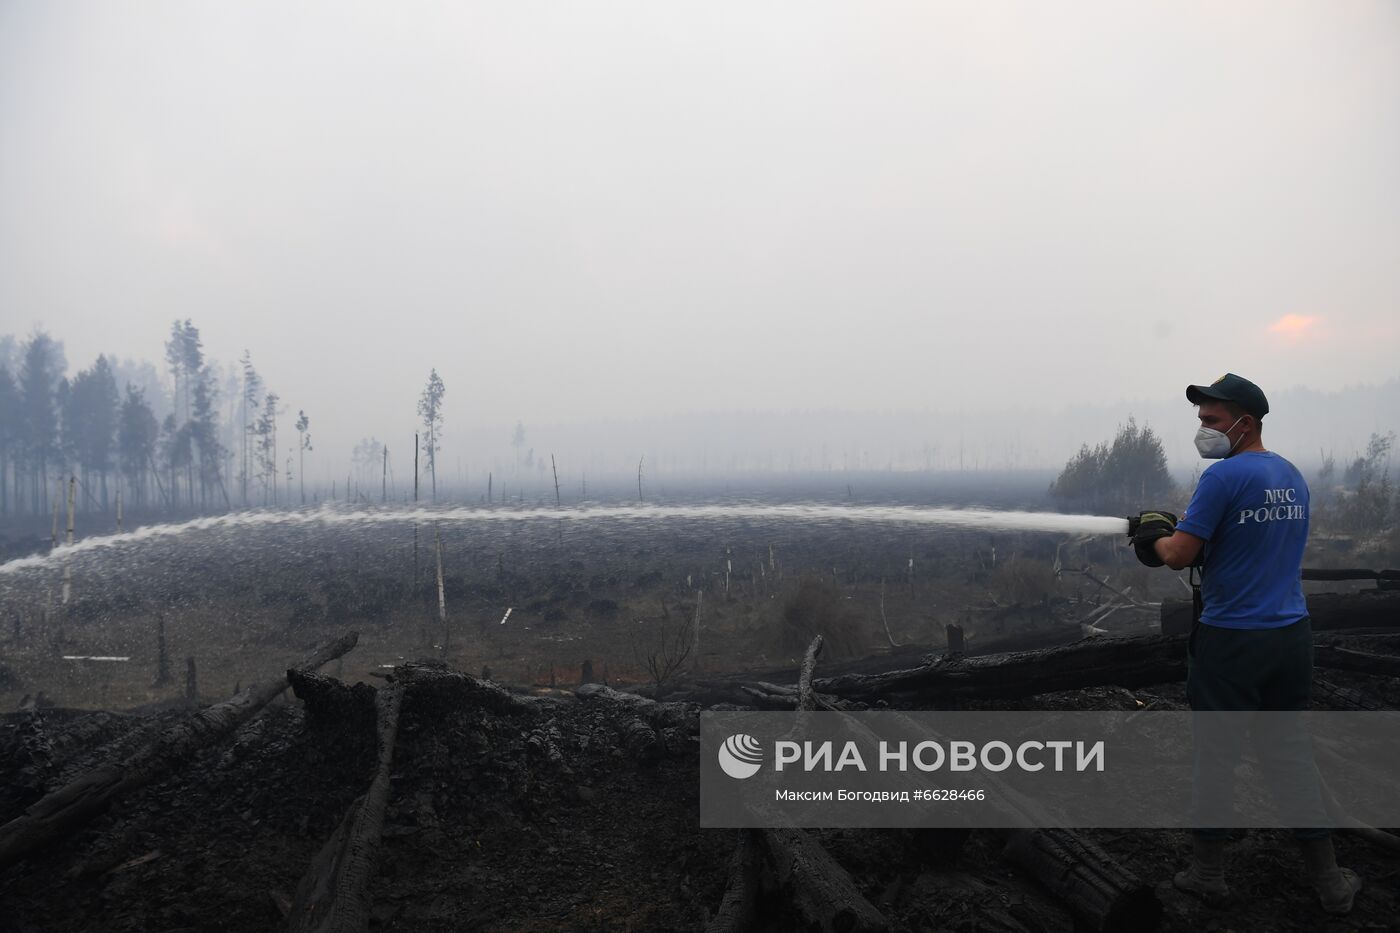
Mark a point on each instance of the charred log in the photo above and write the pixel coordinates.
(821, 891)
(1103, 895)
(818, 887)
(659, 715)
(1328, 611)
(710, 693)
(1127, 661)
(1335, 697)
(333, 896)
(64, 810)
(333, 702)
(738, 909)
(648, 730)
(1360, 662)
(763, 695)
(434, 682)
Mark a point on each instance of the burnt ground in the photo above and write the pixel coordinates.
(483, 831)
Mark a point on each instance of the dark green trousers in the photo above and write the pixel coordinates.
(1247, 670)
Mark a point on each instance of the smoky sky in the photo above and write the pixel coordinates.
(604, 211)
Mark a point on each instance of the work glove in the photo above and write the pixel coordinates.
(1145, 529)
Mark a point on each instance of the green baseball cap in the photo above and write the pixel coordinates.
(1231, 388)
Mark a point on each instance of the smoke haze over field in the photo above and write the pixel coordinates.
(760, 235)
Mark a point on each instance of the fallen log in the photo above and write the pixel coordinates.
(660, 715)
(433, 680)
(764, 695)
(1122, 660)
(1360, 662)
(1348, 823)
(640, 740)
(333, 896)
(545, 742)
(1328, 611)
(1103, 895)
(330, 701)
(642, 724)
(596, 691)
(762, 699)
(739, 907)
(59, 813)
(818, 887)
(1127, 661)
(1336, 697)
(708, 693)
(1095, 888)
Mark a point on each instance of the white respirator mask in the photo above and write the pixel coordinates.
(1215, 445)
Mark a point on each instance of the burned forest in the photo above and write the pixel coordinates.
(494, 726)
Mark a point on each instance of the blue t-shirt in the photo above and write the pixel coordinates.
(1252, 511)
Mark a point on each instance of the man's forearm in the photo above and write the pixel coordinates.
(1178, 550)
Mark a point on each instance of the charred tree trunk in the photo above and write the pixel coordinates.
(64, 810)
(738, 910)
(1102, 894)
(333, 897)
(1125, 661)
(331, 702)
(818, 887)
(435, 681)
(1335, 697)
(1132, 661)
(1327, 611)
(1360, 662)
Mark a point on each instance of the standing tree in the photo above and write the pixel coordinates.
(41, 371)
(1128, 474)
(196, 411)
(184, 357)
(174, 446)
(267, 446)
(137, 431)
(1366, 506)
(252, 398)
(9, 440)
(175, 362)
(90, 422)
(367, 458)
(204, 437)
(430, 410)
(303, 426)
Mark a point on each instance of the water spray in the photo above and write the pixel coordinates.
(966, 519)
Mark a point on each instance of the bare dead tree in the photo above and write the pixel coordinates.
(441, 590)
(665, 653)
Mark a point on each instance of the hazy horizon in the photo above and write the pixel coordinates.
(644, 230)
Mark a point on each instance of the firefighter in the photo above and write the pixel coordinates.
(1251, 645)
